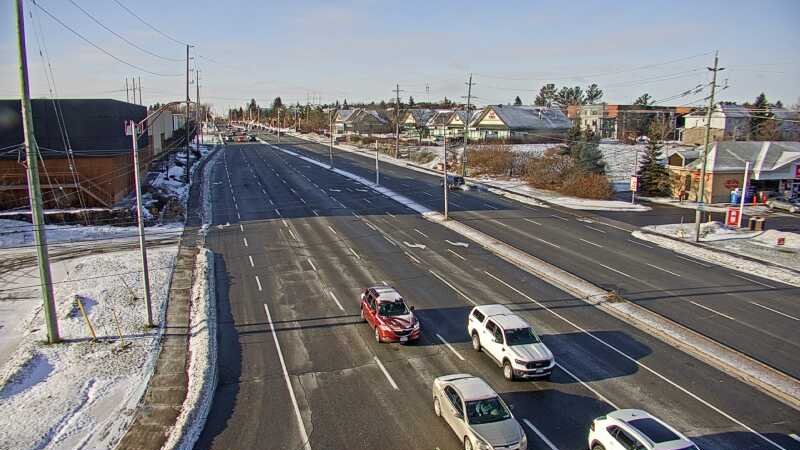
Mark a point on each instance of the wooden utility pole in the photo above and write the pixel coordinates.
(706, 141)
(397, 92)
(140, 91)
(197, 107)
(34, 192)
(186, 167)
(444, 176)
(330, 147)
(134, 132)
(127, 92)
(467, 118)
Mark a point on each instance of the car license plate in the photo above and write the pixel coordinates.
(538, 371)
(403, 338)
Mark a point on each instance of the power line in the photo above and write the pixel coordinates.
(85, 39)
(122, 37)
(150, 26)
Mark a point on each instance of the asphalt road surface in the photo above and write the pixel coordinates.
(294, 244)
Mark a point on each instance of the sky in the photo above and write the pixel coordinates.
(360, 50)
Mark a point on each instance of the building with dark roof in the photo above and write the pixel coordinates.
(530, 123)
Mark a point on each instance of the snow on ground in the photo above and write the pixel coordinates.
(15, 234)
(760, 245)
(79, 393)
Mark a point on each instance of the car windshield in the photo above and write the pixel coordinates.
(389, 309)
(521, 336)
(486, 411)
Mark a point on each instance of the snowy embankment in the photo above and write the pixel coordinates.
(82, 393)
(751, 244)
(203, 357)
(724, 358)
(19, 235)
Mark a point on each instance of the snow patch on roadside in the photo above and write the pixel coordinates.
(203, 358)
(16, 233)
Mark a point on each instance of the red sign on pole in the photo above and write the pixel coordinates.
(797, 171)
(634, 183)
(732, 217)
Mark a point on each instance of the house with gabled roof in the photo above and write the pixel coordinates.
(437, 124)
(728, 122)
(455, 124)
(414, 121)
(531, 123)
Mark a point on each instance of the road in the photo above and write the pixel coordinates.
(294, 244)
(754, 315)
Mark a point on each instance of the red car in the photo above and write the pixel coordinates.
(383, 309)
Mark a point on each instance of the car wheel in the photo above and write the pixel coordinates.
(467, 443)
(377, 335)
(476, 342)
(436, 407)
(598, 447)
(508, 371)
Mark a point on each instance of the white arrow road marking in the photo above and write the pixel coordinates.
(457, 244)
(421, 246)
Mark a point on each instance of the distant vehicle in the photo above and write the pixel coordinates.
(634, 429)
(384, 309)
(510, 341)
(454, 182)
(476, 414)
(252, 137)
(785, 203)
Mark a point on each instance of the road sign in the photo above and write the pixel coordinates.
(732, 217)
(634, 183)
(129, 130)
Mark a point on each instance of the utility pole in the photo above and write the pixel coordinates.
(427, 93)
(127, 93)
(34, 192)
(197, 106)
(140, 91)
(702, 192)
(444, 176)
(186, 167)
(467, 120)
(279, 125)
(397, 91)
(140, 217)
(330, 147)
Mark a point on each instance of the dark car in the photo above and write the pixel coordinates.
(454, 182)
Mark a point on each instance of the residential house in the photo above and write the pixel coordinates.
(341, 121)
(413, 121)
(788, 123)
(774, 168)
(728, 122)
(369, 121)
(529, 123)
(437, 123)
(86, 158)
(455, 124)
(627, 122)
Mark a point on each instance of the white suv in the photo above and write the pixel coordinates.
(510, 342)
(634, 429)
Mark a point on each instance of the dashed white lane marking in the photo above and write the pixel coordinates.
(559, 217)
(245, 241)
(390, 214)
(639, 243)
(775, 311)
(355, 215)
(389, 240)
(353, 252)
(383, 282)
(241, 227)
(712, 310)
(413, 258)
(371, 226)
(311, 263)
(452, 287)
(663, 269)
(331, 228)
(251, 260)
(615, 270)
(546, 242)
(315, 212)
(291, 233)
(303, 200)
(539, 433)
(491, 206)
(278, 212)
(753, 281)
(428, 194)
(532, 221)
(386, 373)
(459, 256)
(591, 243)
(271, 202)
(303, 434)
(595, 229)
(258, 282)
(447, 344)
(692, 261)
(420, 232)
(367, 200)
(238, 216)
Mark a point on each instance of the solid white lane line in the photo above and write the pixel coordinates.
(693, 261)
(615, 270)
(420, 232)
(643, 366)
(663, 269)
(591, 243)
(354, 252)
(292, 234)
(456, 254)
(331, 228)
(311, 264)
(639, 243)
(258, 282)
(303, 434)
(531, 221)
(712, 310)
(595, 229)
(450, 347)
(251, 260)
(753, 281)
(452, 287)
(386, 373)
(413, 258)
(539, 433)
(776, 311)
(336, 300)
(454, 204)
(245, 241)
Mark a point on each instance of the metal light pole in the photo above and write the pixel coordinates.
(330, 146)
(444, 176)
(467, 118)
(140, 218)
(744, 192)
(701, 194)
(34, 192)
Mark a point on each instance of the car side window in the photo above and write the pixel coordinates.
(478, 316)
(498, 335)
(626, 440)
(490, 326)
(454, 398)
(371, 301)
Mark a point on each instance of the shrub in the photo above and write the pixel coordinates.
(587, 185)
(495, 159)
(548, 172)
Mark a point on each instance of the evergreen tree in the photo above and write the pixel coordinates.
(593, 94)
(654, 178)
(546, 95)
(410, 101)
(759, 114)
(644, 100)
(584, 148)
(344, 105)
(518, 101)
(779, 104)
(277, 104)
(570, 96)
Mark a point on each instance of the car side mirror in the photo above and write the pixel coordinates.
(411, 307)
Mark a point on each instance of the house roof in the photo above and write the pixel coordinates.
(421, 116)
(764, 156)
(463, 115)
(529, 117)
(725, 108)
(440, 118)
(344, 114)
